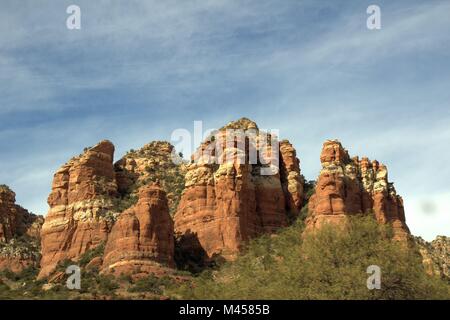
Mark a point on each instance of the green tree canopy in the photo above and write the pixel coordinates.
(328, 264)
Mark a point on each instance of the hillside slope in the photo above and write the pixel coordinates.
(329, 264)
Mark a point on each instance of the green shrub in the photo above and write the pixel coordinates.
(125, 202)
(5, 188)
(3, 287)
(328, 264)
(151, 284)
(309, 189)
(107, 284)
(91, 254)
(62, 265)
(126, 278)
(29, 273)
(8, 274)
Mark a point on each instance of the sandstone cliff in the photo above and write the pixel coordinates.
(81, 203)
(142, 239)
(227, 200)
(349, 186)
(117, 218)
(89, 194)
(291, 179)
(435, 255)
(19, 234)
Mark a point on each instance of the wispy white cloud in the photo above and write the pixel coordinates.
(404, 29)
(138, 70)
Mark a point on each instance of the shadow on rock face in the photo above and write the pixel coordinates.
(191, 256)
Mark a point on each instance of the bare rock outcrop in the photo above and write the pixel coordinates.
(81, 202)
(19, 233)
(349, 186)
(291, 179)
(142, 239)
(228, 199)
(435, 255)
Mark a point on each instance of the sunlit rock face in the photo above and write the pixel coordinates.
(348, 186)
(229, 199)
(81, 203)
(142, 239)
(94, 202)
(19, 233)
(435, 255)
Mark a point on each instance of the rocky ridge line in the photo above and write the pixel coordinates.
(19, 234)
(348, 186)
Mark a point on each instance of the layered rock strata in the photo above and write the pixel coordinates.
(142, 238)
(349, 186)
(435, 255)
(234, 191)
(19, 234)
(81, 207)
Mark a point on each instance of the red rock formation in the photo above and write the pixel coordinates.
(16, 262)
(142, 239)
(9, 214)
(16, 222)
(435, 255)
(227, 200)
(152, 162)
(349, 186)
(79, 217)
(291, 178)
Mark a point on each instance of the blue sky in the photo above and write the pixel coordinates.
(137, 70)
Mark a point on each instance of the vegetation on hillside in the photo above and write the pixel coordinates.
(158, 166)
(5, 188)
(23, 246)
(94, 286)
(328, 264)
(309, 190)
